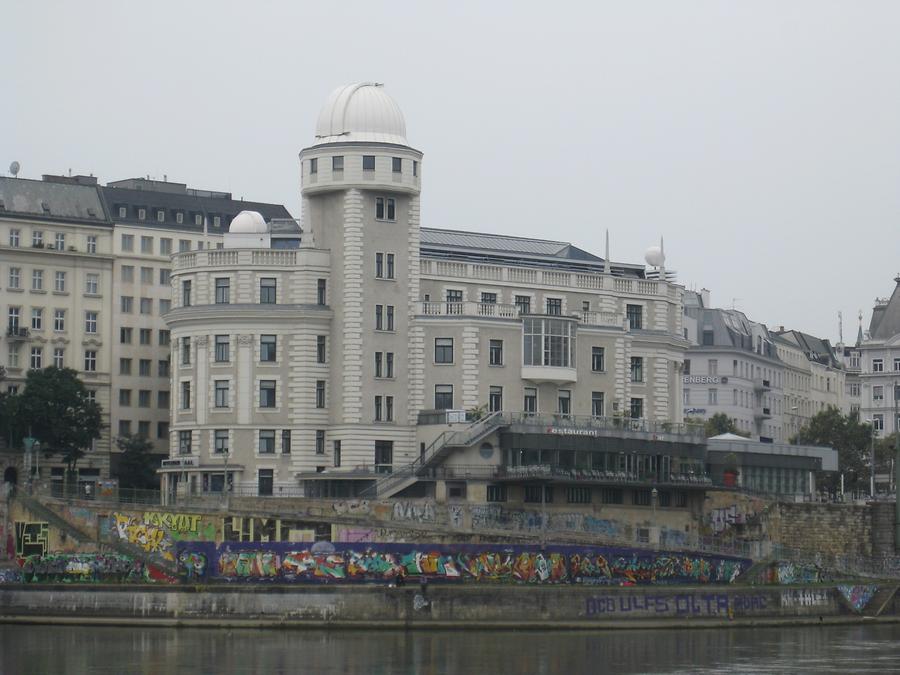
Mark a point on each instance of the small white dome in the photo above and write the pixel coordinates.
(248, 222)
(655, 256)
(361, 112)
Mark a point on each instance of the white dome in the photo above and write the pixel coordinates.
(248, 222)
(361, 112)
(655, 256)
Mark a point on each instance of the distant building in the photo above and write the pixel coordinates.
(879, 361)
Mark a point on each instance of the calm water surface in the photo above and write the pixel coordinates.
(159, 651)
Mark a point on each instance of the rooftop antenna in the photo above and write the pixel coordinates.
(606, 259)
(14, 169)
(733, 301)
(840, 327)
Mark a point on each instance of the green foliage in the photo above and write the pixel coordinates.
(720, 423)
(55, 407)
(847, 435)
(137, 468)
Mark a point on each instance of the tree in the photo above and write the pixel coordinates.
(847, 435)
(57, 411)
(720, 423)
(137, 468)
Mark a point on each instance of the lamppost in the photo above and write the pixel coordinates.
(872, 459)
(654, 495)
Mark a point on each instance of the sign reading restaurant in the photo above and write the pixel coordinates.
(566, 431)
(705, 379)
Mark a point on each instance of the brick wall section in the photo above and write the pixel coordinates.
(883, 528)
(833, 529)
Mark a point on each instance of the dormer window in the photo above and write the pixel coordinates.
(123, 212)
(160, 216)
(198, 219)
(142, 214)
(179, 217)
(217, 221)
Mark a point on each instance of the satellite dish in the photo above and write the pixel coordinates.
(14, 168)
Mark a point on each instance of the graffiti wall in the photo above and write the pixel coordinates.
(157, 531)
(88, 567)
(32, 538)
(352, 562)
(857, 595)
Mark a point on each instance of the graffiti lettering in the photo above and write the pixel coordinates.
(179, 522)
(89, 567)
(420, 513)
(857, 595)
(32, 538)
(683, 604)
(804, 598)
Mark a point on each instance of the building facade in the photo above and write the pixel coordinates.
(379, 347)
(879, 365)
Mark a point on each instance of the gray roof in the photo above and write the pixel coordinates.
(885, 322)
(506, 248)
(730, 328)
(816, 349)
(43, 200)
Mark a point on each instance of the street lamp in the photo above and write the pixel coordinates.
(654, 495)
(872, 459)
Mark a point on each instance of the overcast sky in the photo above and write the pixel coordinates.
(761, 139)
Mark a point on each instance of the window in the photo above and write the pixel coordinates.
(162, 399)
(144, 367)
(495, 399)
(549, 342)
(713, 398)
(523, 304)
(184, 442)
(314, 165)
(713, 367)
(14, 277)
(496, 352)
(388, 408)
(59, 282)
(635, 315)
(185, 351)
(285, 441)
(415, 168)
(637, 408)
(223, 345)
(165, 275)
(320, 441)
(564, 402)
(37, 358)
(14, 238)
(147, 242)
(267, 393)
(443, 350)
(533, 494)
(267, 348)
(13, 355)
(337, 163)
(389, 363)
(384, 456)
(186, 293)
(91, 244)
(164, 305)
(337, 453)
(878, 392)
(163, 368)
(640, 497)
(124, 427)
(125, 397)
(146, 275)
(144, 398)
(222, 393)
(637, 368)
(320, 292)
(59, 320)
(146, 335)
(385, 208)
(320, 393)
(454, 301)
(390, 266)
(320, 349)
(128, 239)
(13, 319)
(877, 420)
(126, 304)
(165, 246)
(265, 482)
(396, 164)
(127, 273)
(379, 265)
(60, 243)
(597, 403)
(223, 291)
(488, 298)
(496, 493)
(554, 306)
(585, 305)
(146, 305)
(124, 366)
(185, 395)
(37, 280)
(378, 362)
(162, 430)
(92, 284)
(379, 317)
(578, 495)
(896, 365)
(368, 162)
(530, 401)
(37, 318)
(184, 245)
(877, 365)
(220, 442)
(267, 291)
(267, 442)
(59, 355)
(598, 359)
(443, 396)
(37, 239)
(125, 335)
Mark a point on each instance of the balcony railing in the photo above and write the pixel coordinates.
(486, 309)
(17, 333)
(233, 257)
(588, 425)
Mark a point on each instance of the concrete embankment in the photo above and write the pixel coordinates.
(445, 605)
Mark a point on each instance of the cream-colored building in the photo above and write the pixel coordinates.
(350, 357)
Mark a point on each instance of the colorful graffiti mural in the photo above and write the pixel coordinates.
(89, 567)
(857, 595)
(156, 532)
(10, 576)
(453, 563)
(797, 573)
(32, 538)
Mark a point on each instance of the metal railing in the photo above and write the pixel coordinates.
(588, 423)
(885, 567)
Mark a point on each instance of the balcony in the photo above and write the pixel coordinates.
(17, 333)
(760, 384)
(554, 374)
(763, 414)
(493, 310)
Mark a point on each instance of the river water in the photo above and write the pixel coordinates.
(26, 650)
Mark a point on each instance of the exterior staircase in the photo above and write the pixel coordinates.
(442, 446)
(882, 598)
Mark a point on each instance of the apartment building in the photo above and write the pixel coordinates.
(879, 365)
